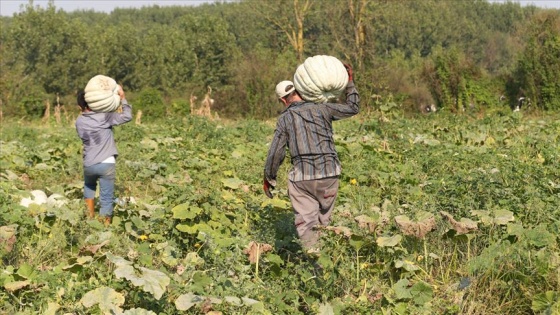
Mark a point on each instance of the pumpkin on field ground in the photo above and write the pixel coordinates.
(320, 78)
(102, 94)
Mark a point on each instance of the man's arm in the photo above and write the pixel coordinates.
(352, 106)
(276, 155)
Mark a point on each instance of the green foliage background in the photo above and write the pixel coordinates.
(458, 55)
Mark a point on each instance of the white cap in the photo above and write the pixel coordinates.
(284, 88)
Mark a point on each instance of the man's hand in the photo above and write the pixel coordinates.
(267, 187)
(350, 71)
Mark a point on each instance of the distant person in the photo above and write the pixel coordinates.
(306, 129)
(100, 154)
(520, 103)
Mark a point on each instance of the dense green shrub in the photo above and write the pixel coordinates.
(151, 103)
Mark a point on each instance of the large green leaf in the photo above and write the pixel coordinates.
(155, 282)
(193, 229)
(52, 308)
(421, 293)
(392, 241)
(546, 303)
(356, 241)
(16, 285)
(27, 271)
(152, 281)
(232, 183)
(185, 211)
(108, 300)
(402, 290)
(185, 301)
(502, 217)
(276, 203)
(138, 311)
(78, 262)
(325, 309)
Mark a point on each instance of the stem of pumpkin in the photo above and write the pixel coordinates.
(357, 266)
(257, 262)
(425, 254)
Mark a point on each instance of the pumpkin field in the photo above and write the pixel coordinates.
(436, 214)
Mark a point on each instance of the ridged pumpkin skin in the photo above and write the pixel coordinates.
(102, 94)
(320, 78)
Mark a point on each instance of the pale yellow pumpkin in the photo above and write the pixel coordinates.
(102, 94)
(320, 78)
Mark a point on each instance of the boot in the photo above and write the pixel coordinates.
(106, 221)
(90, 208)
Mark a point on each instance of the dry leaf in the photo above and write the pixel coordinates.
(254, 250)
(8, 237)
(365, 221)
(420, 228)
(206, 306)
(339, 229)
(463, 226)
(93, 248)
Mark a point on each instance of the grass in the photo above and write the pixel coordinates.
(500, 171)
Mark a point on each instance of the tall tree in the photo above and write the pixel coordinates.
(289, 18)
(538, 72)
(52, 47)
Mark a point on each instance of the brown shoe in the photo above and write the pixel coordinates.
(90, 204)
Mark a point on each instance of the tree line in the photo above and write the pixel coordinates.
(457, 55)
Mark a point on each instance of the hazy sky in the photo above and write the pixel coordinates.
(9, 7)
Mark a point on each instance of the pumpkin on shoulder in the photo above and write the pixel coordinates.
(320, 78)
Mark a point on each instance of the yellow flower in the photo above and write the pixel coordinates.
(143, 237)
(353, 181)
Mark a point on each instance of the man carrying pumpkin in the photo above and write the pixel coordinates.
(305, 127)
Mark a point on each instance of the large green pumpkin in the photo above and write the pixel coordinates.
(320, 78)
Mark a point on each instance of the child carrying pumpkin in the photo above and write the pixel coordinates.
(100, 151)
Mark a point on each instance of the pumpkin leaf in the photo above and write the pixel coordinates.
(402, 290)
(392, 241)
(463, 226)
(367, 222)
(233, 183)
(254, 250)
(502, 217)
(52, 308)
(276, 203)
(138, 311)
(16, 285)
(425, 223)
(108, 300)
(546, 303)
(326, 309)
(421, 293)
(185, 301)
(152, 281)
(155, 282)
(356, 241)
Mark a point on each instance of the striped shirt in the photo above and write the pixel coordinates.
(306, 129)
